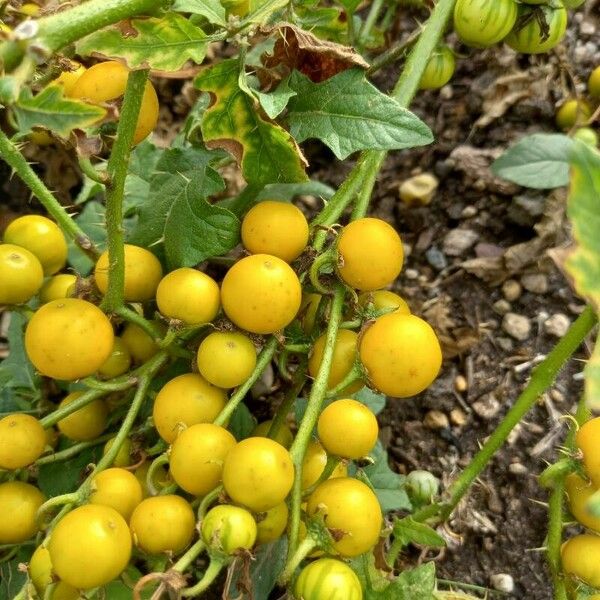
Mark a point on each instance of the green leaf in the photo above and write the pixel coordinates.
(92, 221)
(275, 102)
(413, 532)
(142, 164)
(538, 161)
(261, 10)
(12, 578)
(177, 213)
(212, 10)
(49, 109)
(583, 264)
(325, 23)
(242, 422)
(388, 486)
(348, 114)
(267, 153)
(376, 402)
(165, 43)
(18, 379)
(350, 5)
(196, 230)
(415, 583)
(65, 476)
(265, 567)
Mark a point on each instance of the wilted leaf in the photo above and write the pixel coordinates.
(538, 161)
(212, 10)
(296, 49)
(165, 43)
(50, 110)
(266, 152)
(583, 209)
(348, 114)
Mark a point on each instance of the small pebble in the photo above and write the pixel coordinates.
(518, 469)
(487, 408)
(468, 212)
(505, 343)
(436, 419)
(557, 396)
(536, 283)
(411, 274)
(517, 326)
(419, 189)
(557, 325)
(435, 257)
(457, 417)
(460, 383)
(501, 307)
(503, 583)
(512, 290)
(458, 241)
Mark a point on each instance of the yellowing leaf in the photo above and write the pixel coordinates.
(583, 264)
(164, 44)
(267, 153)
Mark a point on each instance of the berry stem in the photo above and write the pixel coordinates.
(211, 573)
(313, 408)
(306, 546)
(264, 358)
(116, 169)
(11, 155)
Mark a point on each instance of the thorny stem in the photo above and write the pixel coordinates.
(362, 177)
(264, 358)
(10, 153)
(542, 378)
(555, 511)
(116, 169)
(309, 420)
(370, 21)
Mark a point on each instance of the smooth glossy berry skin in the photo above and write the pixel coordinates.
(483, 23)
(21, 274)
(19, 503)
(228, 528)
(327, 579)
(581, 557)
(530, 39)
(22, 441)
(370, 254)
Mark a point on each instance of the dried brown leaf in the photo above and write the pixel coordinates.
(298, 49)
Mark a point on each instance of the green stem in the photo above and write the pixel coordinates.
(87, 168)
(188, 558)
(72, 451)
(132, 317)
(64, 411)
(313, 408)
(392, 54)
(118, 384)
(363, 175)
(305, 547)
(211, 573)
(555, 510)
(370, 21)
(330, 466)
(264, 358)
(116, 169)
(542, 378)
(12, 156)
(62, 500)
(327, 258)
(158, 462)
(298, 381)
(68, 26)
(554, 538)
(207, 501)
(355, 374)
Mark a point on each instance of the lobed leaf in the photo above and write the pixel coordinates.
(212, 10)
(539, 161)
(266, 152)
(177, 213)
(583, 264)
(165, 43)
(50, 110)
(349, 114)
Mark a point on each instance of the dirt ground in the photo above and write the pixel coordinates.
(477, 234)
